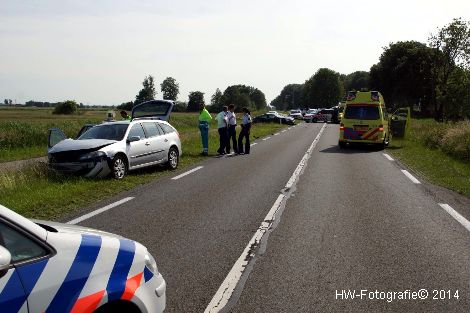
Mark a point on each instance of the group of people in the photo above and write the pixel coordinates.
(226, 124)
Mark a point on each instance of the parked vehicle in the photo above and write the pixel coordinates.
(365, 120)
(322, 115)
(296, 114)
(309, 115)
(52, 267)
(274, 118)
(118, 147)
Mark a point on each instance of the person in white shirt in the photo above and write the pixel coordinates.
(222, 128)
(232, 131)
(245, 132)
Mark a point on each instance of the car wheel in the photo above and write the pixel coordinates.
(341, 144)
(173, 158)
(119, 167)
(314, 120)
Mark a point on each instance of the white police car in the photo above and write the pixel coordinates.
(53, 267)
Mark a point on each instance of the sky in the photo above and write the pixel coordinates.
(98, 52)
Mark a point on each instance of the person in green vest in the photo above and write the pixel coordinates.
(125, 116)
(204, 121)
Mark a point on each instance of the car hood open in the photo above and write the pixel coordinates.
(71, 229)
(85, 144)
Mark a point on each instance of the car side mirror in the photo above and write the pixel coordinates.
(5, 260)
(133, 138)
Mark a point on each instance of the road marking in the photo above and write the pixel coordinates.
(99, 211)
(187, 173)
(264, 139)
(225, 291)
(253, 144)
(388, 157)
(411, 177)
(459, 218)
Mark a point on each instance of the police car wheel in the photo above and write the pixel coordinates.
(119, 167)
(173, 158)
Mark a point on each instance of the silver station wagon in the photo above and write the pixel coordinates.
(114, 148)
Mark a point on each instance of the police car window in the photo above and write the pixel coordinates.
(362, 113)
(166, 128)
(20, 246)
(151, 129)
(136, 130)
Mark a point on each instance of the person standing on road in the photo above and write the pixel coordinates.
(232, 131)
(125, 116)
(245, 132)
(204, 121)
(222, 128)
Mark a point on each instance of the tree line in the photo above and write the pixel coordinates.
(434, 78)
(241, 95)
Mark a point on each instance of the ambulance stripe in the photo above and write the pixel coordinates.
(20, 284)
(77, 276)
(117, 280)
(372, 133)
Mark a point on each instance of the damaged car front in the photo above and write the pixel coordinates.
(91, 154)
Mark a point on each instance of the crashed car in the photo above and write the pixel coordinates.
(115, 148)
(274, 118)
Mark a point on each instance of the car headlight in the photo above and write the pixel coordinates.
(150, 263)
(92, 156)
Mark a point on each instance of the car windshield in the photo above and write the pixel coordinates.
(111, 132)
(362, 113)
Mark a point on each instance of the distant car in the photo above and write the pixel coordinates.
(52, 267)
(309, 114)
(118, 147)
(296, 114)
(274, 118)
(323, 115)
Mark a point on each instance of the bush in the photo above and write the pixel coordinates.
(66, 107)
(456, 141)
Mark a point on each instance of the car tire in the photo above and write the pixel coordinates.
(119, 167)
(173, 158)
(341, 144)
(314, 120)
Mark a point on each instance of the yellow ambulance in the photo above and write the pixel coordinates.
(365, 120)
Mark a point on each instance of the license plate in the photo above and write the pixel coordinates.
(361, 128)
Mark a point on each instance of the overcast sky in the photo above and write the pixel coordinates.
(99, 51)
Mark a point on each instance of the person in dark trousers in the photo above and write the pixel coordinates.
(204, 121)
(245, 132)
(222, 128)
(232, 129)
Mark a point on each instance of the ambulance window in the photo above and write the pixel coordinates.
(20, 246)
(362, 113)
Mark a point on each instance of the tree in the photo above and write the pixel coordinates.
(451, 51)
(244, 96)
(180, 106)
(355, 81)
(5, 101)
(66, 107)
(126, 106)
(403, 74)
(148, 92)
(196, 99)
(170, 89)
(291, 97)
(216, 101)
(324, 89)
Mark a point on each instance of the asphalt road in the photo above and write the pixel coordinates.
(352, 221)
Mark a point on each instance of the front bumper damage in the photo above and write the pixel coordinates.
(89, 168)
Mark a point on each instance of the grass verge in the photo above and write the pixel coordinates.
(36, 192)
(449, 170)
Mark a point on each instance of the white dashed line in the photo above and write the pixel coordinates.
(264, 139)
(187, 173)
(411, 177)
(388, 157)
(459, 218)
(225, 291)
(99, 211)
(253, 144)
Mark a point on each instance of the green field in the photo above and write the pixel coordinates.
(437, 151)
(36, 192)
